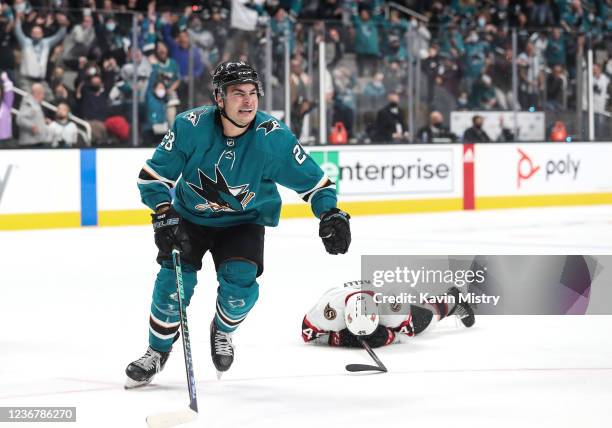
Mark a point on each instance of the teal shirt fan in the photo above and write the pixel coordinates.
(231, 180)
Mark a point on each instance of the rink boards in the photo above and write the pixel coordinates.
(89, 187)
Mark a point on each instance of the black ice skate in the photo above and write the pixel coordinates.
(462, 310)
(141, 371)
(221, 349)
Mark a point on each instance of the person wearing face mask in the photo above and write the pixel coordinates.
(63, 130)
(475, 134)
(390, 125)
(156, 124)
(435, 131)
(474, 60)
(93, 106)
(35, 50)
(79, 41)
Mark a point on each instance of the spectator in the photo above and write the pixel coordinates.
(556, 51)
(35, 50)
(390, 126)
(79, 41)
(505, 135)
(540, 14)
(530, 74)
(344, 99)
(502, 15)
(442, 99)
(474, 60)
(452, 43)
(7, 96)
(93, 100)
(395, 30)
(180, 51)
(300, 103)
(576, 19)
(281, 26)
(501, 71)
(395, 77)
(375, 88)
(64, 131)
(475, 134)
(217, 25)
(61, 94)
(109, 39)
(7, 23)
(204, 41)
(601, 99)
(166, 70)
(329, 10)
(556, 85)
(334, 48)
(33, 129)
(482, 96)
(93, 106)
(367, 42)
(156, 124)
(435, 132)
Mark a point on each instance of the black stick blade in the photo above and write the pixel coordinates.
(364, 368)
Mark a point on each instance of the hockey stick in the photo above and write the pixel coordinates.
(380, 367)
(170, 419)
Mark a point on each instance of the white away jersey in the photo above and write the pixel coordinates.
(327, 316)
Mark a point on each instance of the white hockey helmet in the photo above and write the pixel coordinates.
(361, 314)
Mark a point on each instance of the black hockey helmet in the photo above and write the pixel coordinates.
(235, 73)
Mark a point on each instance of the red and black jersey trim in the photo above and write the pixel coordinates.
(316, 332)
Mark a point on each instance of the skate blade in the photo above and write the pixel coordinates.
(170, 419)
(219, 374)
(131, 383)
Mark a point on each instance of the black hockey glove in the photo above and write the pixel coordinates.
(381, 336)
(170, 233)
(335, 231)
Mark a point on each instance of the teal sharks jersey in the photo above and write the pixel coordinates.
(224, 181)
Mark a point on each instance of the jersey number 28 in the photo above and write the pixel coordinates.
(298, 154)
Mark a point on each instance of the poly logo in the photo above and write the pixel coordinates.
(566, 168)
(525, 169)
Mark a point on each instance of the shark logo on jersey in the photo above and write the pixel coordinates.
(219, 196)
(194, 116)
(269, 126)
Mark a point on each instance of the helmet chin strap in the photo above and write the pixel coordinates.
(222, 111)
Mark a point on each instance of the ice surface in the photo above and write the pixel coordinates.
(74, 312)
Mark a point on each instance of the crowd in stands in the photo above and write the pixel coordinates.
(83, 58)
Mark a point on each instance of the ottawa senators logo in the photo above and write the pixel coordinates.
(329, 313)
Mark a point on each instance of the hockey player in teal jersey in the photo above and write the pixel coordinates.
(224, 162)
